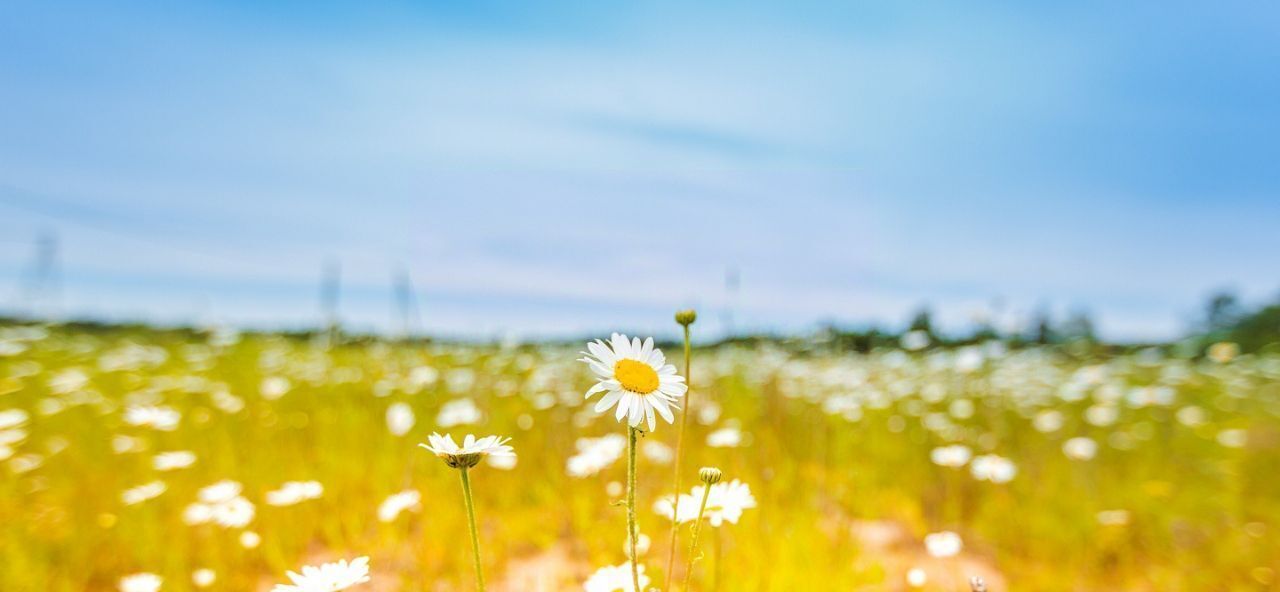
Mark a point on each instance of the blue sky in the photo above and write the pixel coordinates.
(555, 168)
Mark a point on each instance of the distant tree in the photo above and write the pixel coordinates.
(1078, 327)
(1222, 311)
(1042, 327)
(922, 321)
(1258, 330)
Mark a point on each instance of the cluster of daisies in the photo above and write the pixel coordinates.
(633, 379)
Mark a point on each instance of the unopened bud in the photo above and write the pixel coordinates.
(710, 475)
(686, 317)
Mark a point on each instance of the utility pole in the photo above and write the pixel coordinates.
(732, 281)
(40, 292)
(404, 304)
(330, 288)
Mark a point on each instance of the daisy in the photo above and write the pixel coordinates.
(464, 458)
(294, 492)
(408, 500)
(471, 451)
(330, 577)
(993, 468)
(636, 377)
(726, 501)
(943, 544)
(614, 578)
(169, 461)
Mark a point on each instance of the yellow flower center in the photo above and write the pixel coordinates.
(637, 377)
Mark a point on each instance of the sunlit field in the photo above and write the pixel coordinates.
(1035, 468)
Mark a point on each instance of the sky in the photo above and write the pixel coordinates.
(557, 169)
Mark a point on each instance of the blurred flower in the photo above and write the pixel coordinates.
(917, 578)
(274, 387)
(1113, 517)
(1233, 438)
(250, 539)
(220, 503)
(330, 577)
(954, 456)
(642, 545)
(142, 493)
(391, 508)
(294, 492)
(1223, 352)
(614, 578)
(915, 340)
(203, 577)
(725, 503)
(12, 418)
(943, 544)
(729, 437)
(1048, 421)
(595, 455)
(1191, 416)
(177, 459)
(657, 452)
(140, 582)
(458, 412)
(400, 418)
(1080, 448)
(635, 377)
(993, 468)
(156, 417)
(502, 463)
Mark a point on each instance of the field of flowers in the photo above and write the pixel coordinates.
(139, 460)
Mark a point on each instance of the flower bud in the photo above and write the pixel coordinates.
(686, 317)
(710, 475)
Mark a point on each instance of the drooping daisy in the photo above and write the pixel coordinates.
(330, 577)
(636, 377)
(471, 451)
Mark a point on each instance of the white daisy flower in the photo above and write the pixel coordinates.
(943, 544)
(142, 493)
(295, 492)
(330, 577)
(595, 455)
(993, 468)
(400, 418)
(169, 461)
(636, 377)
(955, 455)
(726, 502)
(614, 578)
(1080, 448)
(140, 582)
(471, 451)
(408, 500)
(203, 577)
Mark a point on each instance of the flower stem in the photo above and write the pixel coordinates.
(471, 518)
(631, 506)
(684, 422)
(693, 546)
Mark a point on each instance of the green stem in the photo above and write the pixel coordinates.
(693, 547)
(684, 422)
(471, 518)
(631, 505)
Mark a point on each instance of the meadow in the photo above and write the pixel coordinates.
(219, 461)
